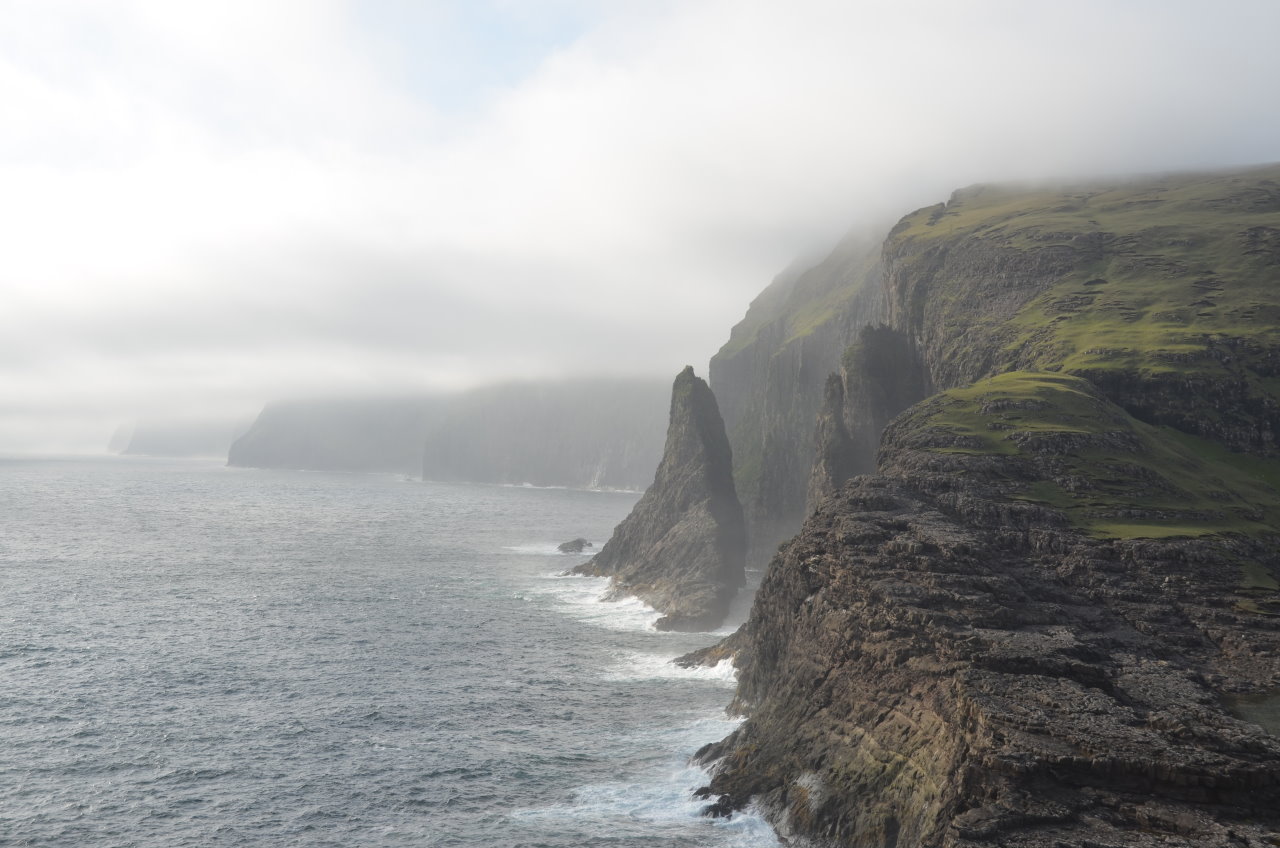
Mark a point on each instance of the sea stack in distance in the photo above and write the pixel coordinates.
(682, 548)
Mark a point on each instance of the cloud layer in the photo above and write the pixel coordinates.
(210, 205)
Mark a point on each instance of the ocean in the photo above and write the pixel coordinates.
(196, 655)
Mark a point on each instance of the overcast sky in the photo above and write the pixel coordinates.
(207, 205)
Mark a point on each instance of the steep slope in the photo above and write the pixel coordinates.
(1050, 617)
(356, 434)
(880, 376)
(598, 433)
(769, 380)
(1162, 292)
(603, 433)
(941, 658)
(681, 549)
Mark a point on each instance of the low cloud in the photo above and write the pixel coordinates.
(211, 207)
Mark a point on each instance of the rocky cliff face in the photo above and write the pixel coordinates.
(941, 658)
(681, 549)
(769, 379)
(880, 376)
(1158, 291)
(1161, 292)
(1050, 617)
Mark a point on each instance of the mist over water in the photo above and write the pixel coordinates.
(195, 655)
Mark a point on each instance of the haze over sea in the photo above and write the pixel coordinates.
(195, 655)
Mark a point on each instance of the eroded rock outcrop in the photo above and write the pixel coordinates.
(880, 376)
(769, 376)
(682, 548)
(983, 644)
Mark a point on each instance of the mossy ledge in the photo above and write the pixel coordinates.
(1062, 444)
(1164, 292)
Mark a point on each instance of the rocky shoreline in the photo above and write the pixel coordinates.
(1040, 606)
(930, 664)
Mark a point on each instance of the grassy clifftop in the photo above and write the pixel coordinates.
(1062, 444)
(1154, 289)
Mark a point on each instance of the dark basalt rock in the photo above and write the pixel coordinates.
(880, 376)
(682, 548)
(574, 546)
(768, 380)
(929, 663)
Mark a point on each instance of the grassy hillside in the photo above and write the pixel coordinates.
(1111, 474)
(1143, 287)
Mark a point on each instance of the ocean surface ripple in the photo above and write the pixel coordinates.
(194, 655)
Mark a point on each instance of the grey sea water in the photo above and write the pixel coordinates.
(194, 655)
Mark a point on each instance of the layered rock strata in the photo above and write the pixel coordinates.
(977, 646)
(880, 376)
(682, 547)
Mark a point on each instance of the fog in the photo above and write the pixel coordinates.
(209, 206)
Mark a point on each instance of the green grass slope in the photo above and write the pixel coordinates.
(1155, 289)
(1070, 448)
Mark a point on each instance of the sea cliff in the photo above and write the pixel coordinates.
(1049, 615)
(682, 548)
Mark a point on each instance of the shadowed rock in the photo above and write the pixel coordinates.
(574, 546)
(682, 548)
(978, 645)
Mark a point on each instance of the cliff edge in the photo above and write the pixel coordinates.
(983, 644)
(682, 548)
(1051, 616)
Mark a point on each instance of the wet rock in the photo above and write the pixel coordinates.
(682, 548)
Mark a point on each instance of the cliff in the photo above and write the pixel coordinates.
(880, 376)
(681, 549)
(942, 658)
(587, 433)
(181, 437)
(1049, 618)
(769, 379)
(1161, 292)
(354, 434)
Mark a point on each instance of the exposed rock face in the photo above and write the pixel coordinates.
(880, 376)
(1159, 291)
(837, 458)
(769, 381)
(1044, 621)
(936, 660)
(681, 549)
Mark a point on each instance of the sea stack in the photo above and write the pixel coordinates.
(682, 548)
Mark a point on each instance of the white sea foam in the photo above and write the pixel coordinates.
(634, 665)
(660, 798)
(584, 598)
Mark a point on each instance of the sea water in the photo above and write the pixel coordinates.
(195, 655)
